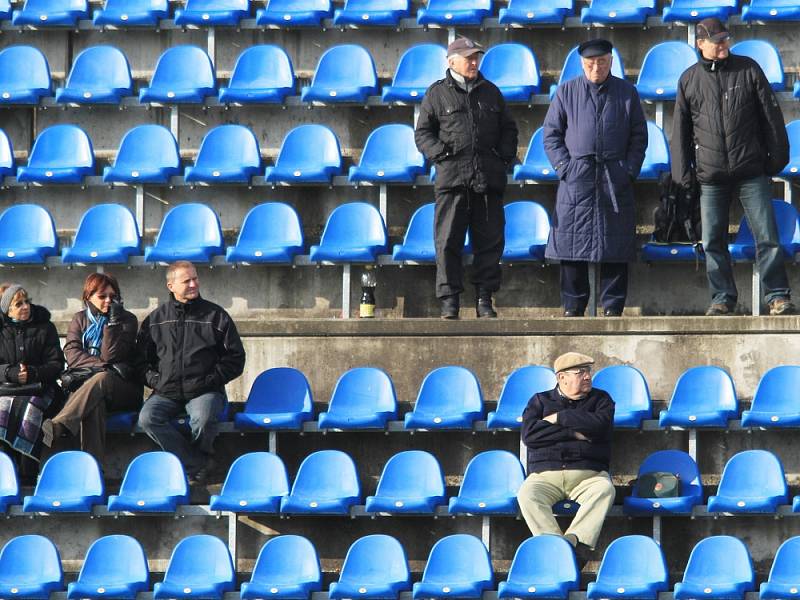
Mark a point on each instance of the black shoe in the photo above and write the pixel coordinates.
(781, 306)
(573, 312)
(719, 309)
(483, 305)
(450, 306)
(583, 554)
(201, 476)
(612, 312)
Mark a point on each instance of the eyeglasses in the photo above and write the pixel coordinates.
(580, 372)
(103, 297)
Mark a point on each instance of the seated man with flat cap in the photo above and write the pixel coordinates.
(567, 431)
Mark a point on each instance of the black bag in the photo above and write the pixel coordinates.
(72, 379)
(658, 484)
(20, 389)
(677, 220)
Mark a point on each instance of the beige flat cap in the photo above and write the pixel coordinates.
(570, 360)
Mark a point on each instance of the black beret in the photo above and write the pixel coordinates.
(596, 47)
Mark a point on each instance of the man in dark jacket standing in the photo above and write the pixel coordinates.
(191, 350)
(595, 136)
(466, 130)
(728, 131)
(568, 435)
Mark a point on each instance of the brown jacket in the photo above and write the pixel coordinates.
(118, 346)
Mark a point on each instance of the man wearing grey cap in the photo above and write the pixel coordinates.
(466, 130)
(567, 431)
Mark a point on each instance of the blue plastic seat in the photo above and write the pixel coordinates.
(7, 167)
(30, 567)
(703, 397)
(375, 567)
(656, 157)
(526, 231)
(572, 68)
(228, 154)
(287, 567)
(9, 486)
(99, 75)
(518, 389)
(60, 154)
(771, 10)
(271, 233)
(5, 10)
(390, 155)
(51, 13)
(787, 221)
(543, 567)
(536, 166)
(326, 483)
(262, 74)
(24, 75)
(355, 232)
(458, 567)
(256, 482)
(411, 482)
(628, 388)
(662, 67)
(454, 12)
(377, 13)
(294, 13)
(213, 13)
(107, 233)
(183, 75)
(27, 235)
(611, 12)
(364, 398)
(753, 481)
(767, 57)
(147, 154)
(200, 567)
(344, 73)
(69, 482)
(718, 567)
(793, 132)
(418, 245)
(633, 566)
(280, 398)
(490, 485)
(532, 12)
(689, 495)
(115, 567)
(132, 13)
(153, 482)
(449, 398)
(513, 69)
(189, 232)
(417, 69)
(785, 572)
(309, 154)
(692, 11)
(775, 403)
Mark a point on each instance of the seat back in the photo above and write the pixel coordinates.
(53, 6)
(787, 562)
(6, 152)
(100, 67)
(229, 146)
(29, 559)
(348, 64)
(704, 388)
(363, 391)
(793, 133)
(679, 463)
(26, 226)
(60, 146)
(448, 390)
(375, 559)
(572, 66)
(271, 224)
(199, 559)
(183, 67)
(492, 474)
(656, 157)
(310, 146)
(105, 225)
(527, 224)
(201, 5)
(263, 66)
(767, 57)
(391, 145)
(510, 65)
(458, 558)
(189, 225)
(278, 390)
(154, 473)
(130, 6)
(787, 220)
(354, 224)
(9, 486)
(147, 145)
(753, 473)
(719, 559)
(544, 559)
(327, 474)
(536, 155)
(70, 473)
(420, 65)
(257, 474)
(626, 385)
(663, 65)
(293, 6)
(286, 560)
(115, 559)
(520, 387)
(633, 559)
(777, 390)
(411, 474)
(460, 5)
(23, 68)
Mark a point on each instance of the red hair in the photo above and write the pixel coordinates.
(99, 281)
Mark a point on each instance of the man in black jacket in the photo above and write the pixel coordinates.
(728, 131)
(568, 435)
(191, 350)
(466, 130)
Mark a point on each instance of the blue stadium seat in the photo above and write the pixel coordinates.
(228, 154)
(513, 69)
(656, 157)
(189, 232)
(99, 75)
(767, 57)
(375, 567)
(385, 13)
(719, 567)
(309, 154)
(7, 167)
(418, 245)
(294, 13)
(610, 12)
(27, 235)
(200, 567)
(662, 67)
(262, 74)
(183, 75)
(5, 10)
(458, 567)
(271, 233)
(107, 233)
(24, 75)
(785, 572)
(449, 398)
(153, 482)
(628, 388)
(793, 132)
(572, 68)
(418, 68)
(771, 10)
(536, 166)
(543, 567)
(51, 13)
(132, 13)
(147, 154)
(344, 73)
(703, 397)
(775, 403)
(326, 483)
(691, 489)
(287, 567)
(526, 231)
(115, 567)
(390, 155)
(213, 13)
(364, 398)
(69, 482)
(454, 12)
(753, 481)
(518, 389)
(787, 220)
(60, 154)
(411, 482)
(354, 233)
(633, 566)
(490, 485)
(280, 398)
(30, 567)
(256, 482)
(692, 11)
(536, 12)
(9, 486)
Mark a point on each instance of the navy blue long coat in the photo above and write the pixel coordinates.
(595, 137)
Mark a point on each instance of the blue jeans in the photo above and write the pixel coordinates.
(754, 194)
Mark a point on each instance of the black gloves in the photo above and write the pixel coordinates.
(115, 312)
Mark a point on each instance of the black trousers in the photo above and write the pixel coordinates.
(575, 285)
(459, 209)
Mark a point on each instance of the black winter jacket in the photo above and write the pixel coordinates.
(470, 137)
(554, 447)
(34, 344)
(189, 349)
(727, 124)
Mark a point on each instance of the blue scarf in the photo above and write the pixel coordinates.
(93, 336)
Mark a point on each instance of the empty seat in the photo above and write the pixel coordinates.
(354, 233)
(309, 154)
(531, 12)
(270, 233)
(526, 231)
(5, 10)
(287, 567)
(107, 233)
(662, 67)
(418, 245)
(183, 75)
(372, 12)
(364, 398)
(696, 10)
(490, 485)
(24, 75)
(628, 388)
(536, 166)
(390, 155)
(189, 232)
(153, 482)
(518, 389)
(30, 567)
(767, 57)
(411, 482)
(454, 12)
(787, 220)
(418, 68)
(572, 68)
(513, 69)
(690, 491)
(200, 567)
(458, 567)
(51, 13)
(147, 154)
(718, 567)
(449, 398)
(344, 73)
(60, 154)
(775, 403)
(703, 397)
(294, 13)
(753, 481)
(656, 157)
(9, 486)
(793, 132)
(543, 567)
(256, 482)
(633, 566)
(785, 572)
(6, 156)
(326, 483)
(611, 12)
(228, 154)
(132, 13)
(262, 74)
(99, 75)
(115, 567)
(212, 13)
(280, 398)
(771, 10)
(27, 234)
(69, 482)
(375, 567)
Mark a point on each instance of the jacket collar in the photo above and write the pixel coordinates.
(183, 306)
(454, 84)
(714, 65)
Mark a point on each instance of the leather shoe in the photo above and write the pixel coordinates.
(450, 306)
(612, 312)
(483, 305)
(573, 312)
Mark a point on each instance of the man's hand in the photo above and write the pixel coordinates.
(551, 418)
(580, 436)
(22, 377)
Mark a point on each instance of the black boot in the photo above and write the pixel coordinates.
(450, 306)
(483, 304)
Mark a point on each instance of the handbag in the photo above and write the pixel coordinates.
(21, 389)
(658, 484)
(72, 379)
